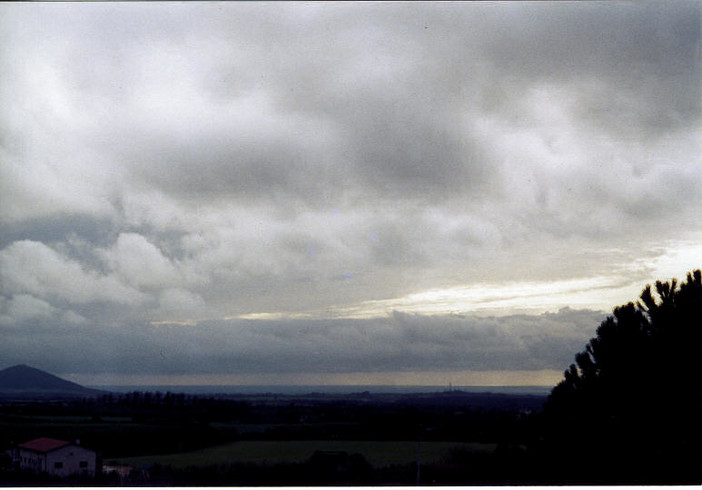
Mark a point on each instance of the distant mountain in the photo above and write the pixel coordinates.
(28, 382)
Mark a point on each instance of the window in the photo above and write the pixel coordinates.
(83, 464)
(58, 465)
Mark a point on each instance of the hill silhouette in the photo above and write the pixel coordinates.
(26, 381)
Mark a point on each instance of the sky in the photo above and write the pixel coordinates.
(339, 193)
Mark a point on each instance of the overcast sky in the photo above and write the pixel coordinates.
(339, 192)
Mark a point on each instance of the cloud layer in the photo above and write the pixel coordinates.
(196, 162)
(399, 342)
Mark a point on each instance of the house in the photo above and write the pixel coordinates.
(55, 457)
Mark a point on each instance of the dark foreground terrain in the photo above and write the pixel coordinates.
(151, 438)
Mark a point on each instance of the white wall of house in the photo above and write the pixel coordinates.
(64, 461)
(71, 460)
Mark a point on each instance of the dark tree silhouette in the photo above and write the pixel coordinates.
(629, 409)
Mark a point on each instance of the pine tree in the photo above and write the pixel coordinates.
(628, 410)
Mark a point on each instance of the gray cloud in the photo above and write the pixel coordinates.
(33, 268)
(399, 342)
(182, 162)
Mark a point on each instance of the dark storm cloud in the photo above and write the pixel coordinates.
(392, 100)
(399, 342)
(264, 160)
(57, 229)
(377, 107)
(647, 52)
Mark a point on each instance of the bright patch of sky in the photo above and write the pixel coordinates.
(594, 293)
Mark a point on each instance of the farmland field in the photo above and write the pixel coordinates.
(271, 440)
(377, 453)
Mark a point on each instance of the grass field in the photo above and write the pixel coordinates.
(377, 453)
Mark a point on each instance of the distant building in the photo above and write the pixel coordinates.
(55, 457)
(120, 472)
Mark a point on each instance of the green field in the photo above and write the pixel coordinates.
(377, 453)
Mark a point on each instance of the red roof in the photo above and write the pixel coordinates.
(43, 444)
